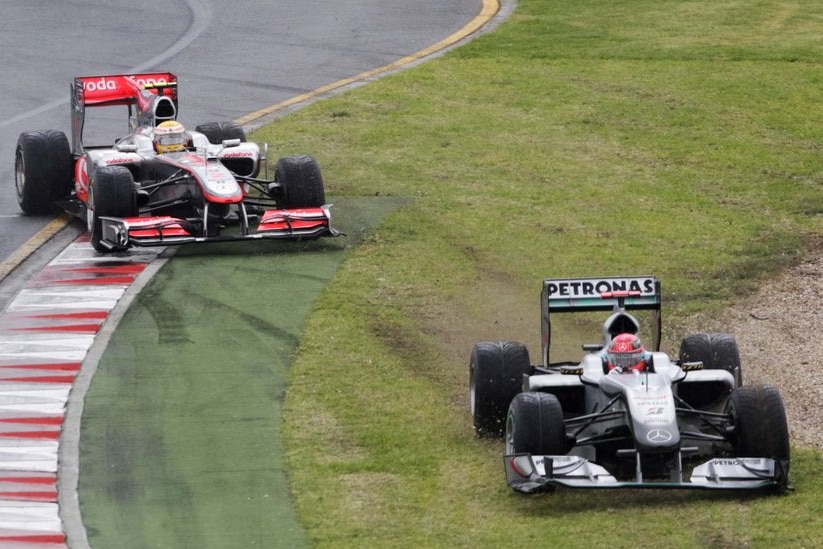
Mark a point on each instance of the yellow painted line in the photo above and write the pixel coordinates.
(32, 244)
(488, 10)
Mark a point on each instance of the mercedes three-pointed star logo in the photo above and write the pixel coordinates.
(659, 436)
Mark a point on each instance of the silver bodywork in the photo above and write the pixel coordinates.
(635, 429)
(645, 402)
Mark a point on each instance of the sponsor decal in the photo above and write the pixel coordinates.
(731, 462)
(118, 160)
(110, 83)
(622, 346)
(218, 175)
(151, 221)
(143, 82)
(81, 178)
(564, 460)
(596, 287)
(653, 411)
(658, 436)
(521, 466)
(651, 400)
(247, 154)
(192, 159)
(100, 84)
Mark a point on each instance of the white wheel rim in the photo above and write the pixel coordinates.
(90, 210)
(20, 177)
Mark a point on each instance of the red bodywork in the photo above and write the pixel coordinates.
(125, 89)
(167, 230)
(137, 91)
(151, 97)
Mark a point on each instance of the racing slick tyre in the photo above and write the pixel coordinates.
(301, 181)
(496, 371)
(758, 425)
(715, 351)
(217, 132)
(111, 194)
(43, 171)
(534, 425)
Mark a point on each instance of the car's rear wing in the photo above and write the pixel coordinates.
(148, 96)
(565, 295)
(122, 89)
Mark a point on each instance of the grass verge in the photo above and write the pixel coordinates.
(578, 139)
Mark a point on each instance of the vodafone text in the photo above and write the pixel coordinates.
(104, 83)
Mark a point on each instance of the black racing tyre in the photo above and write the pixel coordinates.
(111, 194)
(496, 370)
(301, 182)
(217, 132)
(758, 421)
(43, 170)
(534, 425)
(717, 351)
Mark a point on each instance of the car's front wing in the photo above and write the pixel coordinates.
(529, 473)
(122, 233)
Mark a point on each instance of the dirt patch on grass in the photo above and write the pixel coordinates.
(778, 332)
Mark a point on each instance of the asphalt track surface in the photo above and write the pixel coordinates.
(232, 59)
(348, 40)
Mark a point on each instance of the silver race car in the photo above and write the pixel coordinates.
(627, 415)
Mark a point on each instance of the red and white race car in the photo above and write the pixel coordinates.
(142, 191)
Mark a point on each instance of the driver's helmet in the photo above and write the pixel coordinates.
(625, 353)
(169, 136)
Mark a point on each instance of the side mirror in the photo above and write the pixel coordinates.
(230, 143)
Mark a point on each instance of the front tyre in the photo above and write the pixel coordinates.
(43, 170)
(111, 194)
(758, 425)
(496, 371)
(534, 425)
(301, 182)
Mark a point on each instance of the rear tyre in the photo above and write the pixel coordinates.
(759, 427)
(496, 371)
(111, 194)
(217, 132)
(43, 171)
(716, 351)
(301, 182)
(534, 425)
